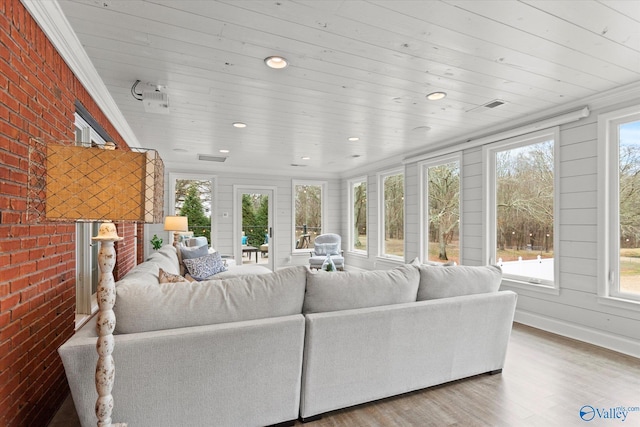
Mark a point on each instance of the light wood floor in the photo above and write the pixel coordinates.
(547, 379)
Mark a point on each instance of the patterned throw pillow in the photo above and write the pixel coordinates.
(164, 277)
(203, 267)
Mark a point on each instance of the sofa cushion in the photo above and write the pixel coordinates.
(205, 266)
(166, 258)
(346, 290)
(444, 282)
(144, 306)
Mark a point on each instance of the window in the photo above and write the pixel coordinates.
(358, 215)
(522, 203)
(87, 271)
(620, 166)
(392, 214)
(193, 198)
(308, 212)
(441, 213)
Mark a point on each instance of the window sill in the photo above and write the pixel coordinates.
(81, 319)
(358, 254)
(518, 284)
(619, 302)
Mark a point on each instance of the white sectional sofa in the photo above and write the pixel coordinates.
(256, 350)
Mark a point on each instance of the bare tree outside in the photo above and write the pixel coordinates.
(443, 190)
(629, 207)
(360, 215)
(525, 202)
(308, 214)
(394, 214)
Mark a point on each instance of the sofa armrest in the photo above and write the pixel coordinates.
(242, 373)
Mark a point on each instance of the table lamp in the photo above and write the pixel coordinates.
(176, 224)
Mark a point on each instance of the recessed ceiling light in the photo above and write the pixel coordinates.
(224, 151)
(353, 138)
(179, 150)
(276, 62)
(436, 96)
(239, 125)
(305, 158)
(422, 129)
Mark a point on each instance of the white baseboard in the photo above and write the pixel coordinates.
(580, 333)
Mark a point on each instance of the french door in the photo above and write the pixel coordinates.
(253, 225)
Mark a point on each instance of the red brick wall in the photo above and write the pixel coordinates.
(37, 260)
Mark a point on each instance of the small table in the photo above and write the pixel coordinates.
(249, 250)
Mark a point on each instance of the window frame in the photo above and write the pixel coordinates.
(86, 300)
(489, 167)
(351, 184)
(174, 176)
(381, 176)
(424, 202)
(323, 210)
(608, 208)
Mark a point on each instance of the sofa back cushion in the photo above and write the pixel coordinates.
(142, 307)
(166, 258)
(346, 290)
(443, 282)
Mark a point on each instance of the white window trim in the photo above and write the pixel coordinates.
(489, 195)
(424, 200)
(381, 214)
(323, 200)
(608, 226)
(173, 177)
(350, 216)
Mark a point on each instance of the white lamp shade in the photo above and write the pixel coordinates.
(176, 223)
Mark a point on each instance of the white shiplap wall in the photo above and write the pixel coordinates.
(575, 311)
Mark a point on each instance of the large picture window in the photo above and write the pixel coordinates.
(620, 152)
(358, 215)
(392, 214)
(441, 213)
(308, 212)
(522, 207)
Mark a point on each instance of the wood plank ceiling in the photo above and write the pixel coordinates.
(357, 69)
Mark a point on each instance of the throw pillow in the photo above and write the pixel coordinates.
(438, 282)
(190, 252)
(350, 289)
(205, 266)
(164, 277)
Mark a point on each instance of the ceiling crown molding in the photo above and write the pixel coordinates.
(55, 25)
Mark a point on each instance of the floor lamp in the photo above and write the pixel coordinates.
(104, 184)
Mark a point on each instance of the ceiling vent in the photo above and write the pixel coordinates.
(209, 158)
(489, 105)
(155, 102)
